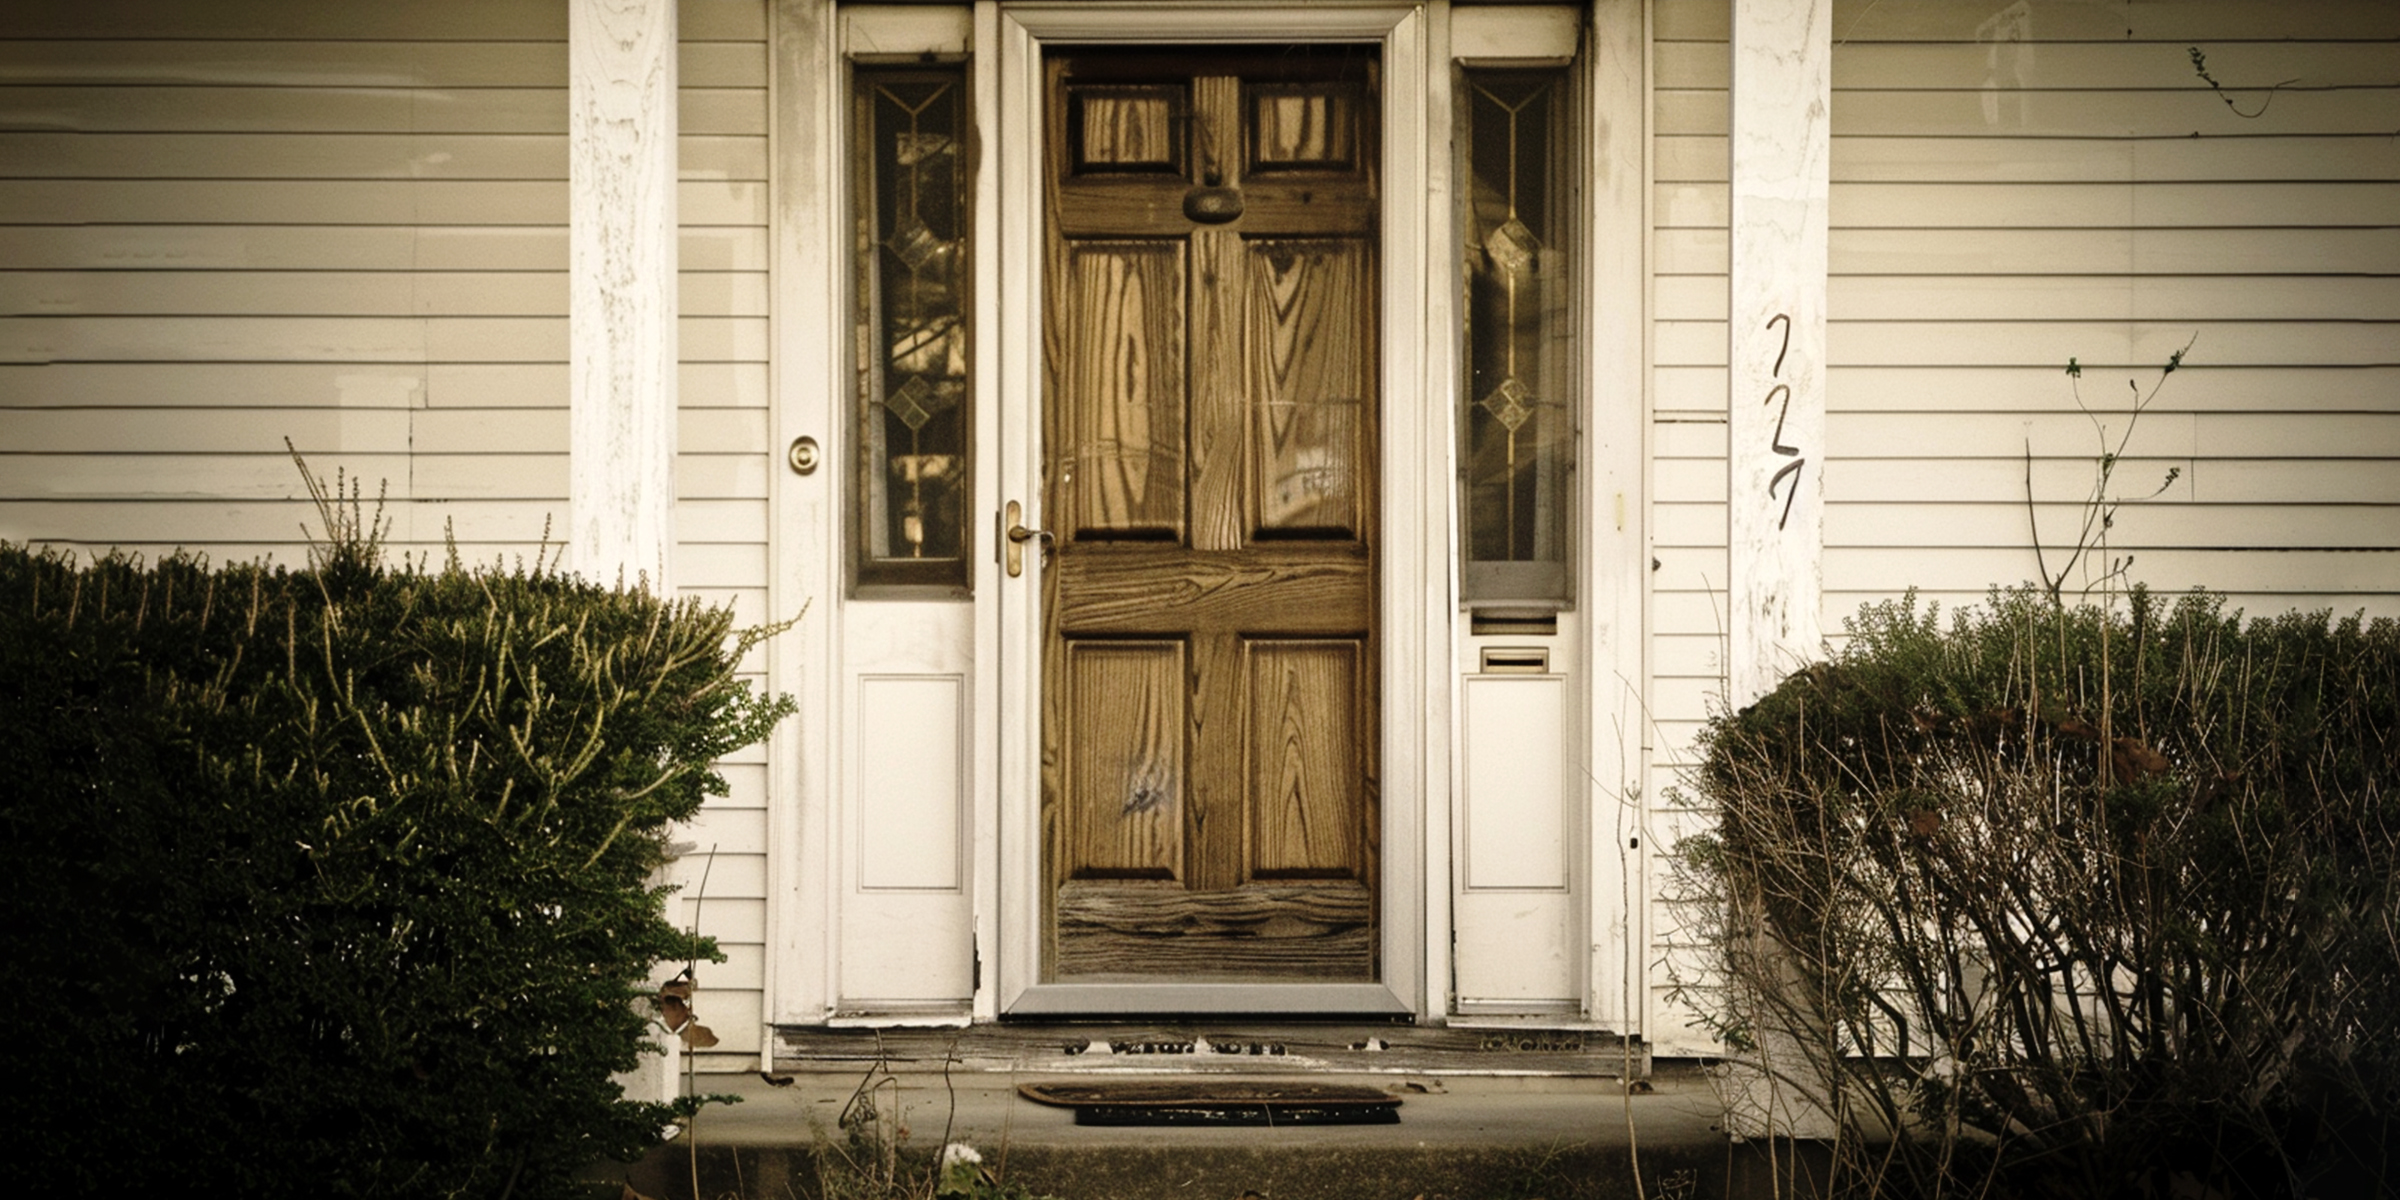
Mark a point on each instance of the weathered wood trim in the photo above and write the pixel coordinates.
(808, 320)
(1781, 121)
(1305, 929)
(622, 292)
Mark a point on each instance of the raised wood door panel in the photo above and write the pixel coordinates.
(1210, 391)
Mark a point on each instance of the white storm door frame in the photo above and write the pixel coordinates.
(1415, 592)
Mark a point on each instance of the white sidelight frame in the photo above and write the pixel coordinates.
(1614, 588)
(1415, 582)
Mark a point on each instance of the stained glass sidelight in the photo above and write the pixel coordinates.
(1518, 419)
(910, 217)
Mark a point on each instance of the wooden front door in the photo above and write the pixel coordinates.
(1209, 683)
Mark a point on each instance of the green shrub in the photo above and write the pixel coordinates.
(2083, 902)
(337, 882)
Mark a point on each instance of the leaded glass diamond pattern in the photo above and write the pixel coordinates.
(909, 402)
(914, 243)
(1511, 404)
(1512, 247)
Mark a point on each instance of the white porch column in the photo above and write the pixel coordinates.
(1782, 99)
(621, 294)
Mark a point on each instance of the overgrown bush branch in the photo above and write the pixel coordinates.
(345, 875)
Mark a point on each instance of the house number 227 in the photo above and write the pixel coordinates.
(1783, 392)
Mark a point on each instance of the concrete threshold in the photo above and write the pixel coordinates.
(874, 1133)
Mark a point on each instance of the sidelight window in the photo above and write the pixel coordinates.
(1517, 423)
(910, 217)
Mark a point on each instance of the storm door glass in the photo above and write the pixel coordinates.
(910, 220)
(1518, 418)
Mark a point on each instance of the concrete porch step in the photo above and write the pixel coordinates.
(1458, 1138)
(1223, 1046)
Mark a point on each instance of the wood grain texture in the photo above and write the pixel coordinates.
(1307, 365)
(1210, 408)
(1306, 768)
(1122, 388)
(1321, 931)
(1125, 766)
(1278, 588)
(1305, 127)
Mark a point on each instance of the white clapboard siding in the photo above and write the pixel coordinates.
(223, 225)
(2015, 186)
(722, 460)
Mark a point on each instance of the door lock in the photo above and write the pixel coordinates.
(1016, 535)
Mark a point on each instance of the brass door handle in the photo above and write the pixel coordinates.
(1017, 535)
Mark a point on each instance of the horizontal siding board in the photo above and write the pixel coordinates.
(2246, 68)
(544, 430)
(139, 109)
(2163, 523)
(2027, 343)
(720, 564)
(341, 339)
(263, 474)
(1702, 251)
(2145, 205)
(2206, 387)
(2315, 156)
(231, 62)
(731, 831)
(2173, 23)
(272, 20)
(2109, 113)
(501, 476)
(398, 385)
(476, 523)
(219, 62)
(720, 521)
(359, 248)
(722, 111)
(457, 156)
(280, 293)
(721, 476)
(413, 203)
(722, 20)
(2064, 297)
(2160, 433)
(2261, 570)
(343, 293)
(1996, 479)
(54, 431)
(2114, 297)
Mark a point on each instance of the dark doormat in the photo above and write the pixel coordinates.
(1218, 1102)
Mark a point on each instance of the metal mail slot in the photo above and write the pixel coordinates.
(1516, 660)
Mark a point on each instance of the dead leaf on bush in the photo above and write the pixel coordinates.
(2133, 762)
(673, 1011)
